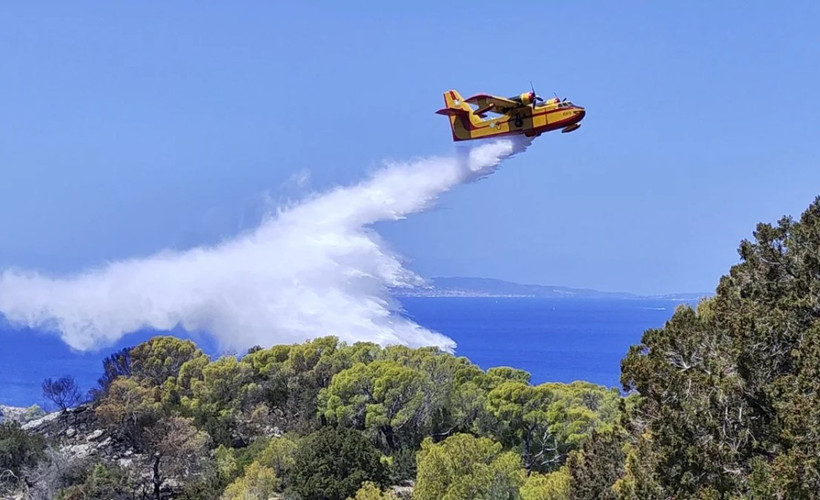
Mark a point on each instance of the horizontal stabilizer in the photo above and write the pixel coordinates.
(452, 111)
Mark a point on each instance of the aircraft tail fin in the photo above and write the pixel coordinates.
(455, 104)
(460, 115)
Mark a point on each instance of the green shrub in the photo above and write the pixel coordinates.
(333, 463)
(464, 467)
(101, 481)
(18, 448)
(258, 482)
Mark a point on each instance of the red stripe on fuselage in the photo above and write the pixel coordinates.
(473, 126)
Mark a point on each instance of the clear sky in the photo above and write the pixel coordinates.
(128, 128)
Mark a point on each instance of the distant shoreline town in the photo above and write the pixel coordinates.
(494, 288)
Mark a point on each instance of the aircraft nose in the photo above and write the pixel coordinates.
(581, 112)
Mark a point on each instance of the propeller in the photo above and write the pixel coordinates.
(535, 97)
(558, 99)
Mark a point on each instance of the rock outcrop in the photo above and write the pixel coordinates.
(77, 433)
(77, 437)
(20, 414)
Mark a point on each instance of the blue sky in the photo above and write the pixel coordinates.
(132, 128)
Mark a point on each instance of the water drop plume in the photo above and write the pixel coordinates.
(316, 268)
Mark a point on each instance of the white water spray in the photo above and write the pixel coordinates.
(312, 270)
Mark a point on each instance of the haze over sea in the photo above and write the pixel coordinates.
(558, 340)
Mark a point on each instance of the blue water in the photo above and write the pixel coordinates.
(557, 340)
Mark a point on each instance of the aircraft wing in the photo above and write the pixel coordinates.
(491, 103)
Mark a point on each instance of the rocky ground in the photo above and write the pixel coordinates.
(74, 439)
(76, 434)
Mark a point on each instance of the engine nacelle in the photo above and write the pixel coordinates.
(524, 99)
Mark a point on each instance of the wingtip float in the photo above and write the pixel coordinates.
(526, 114)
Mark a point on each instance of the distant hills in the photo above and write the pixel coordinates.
(487, 287)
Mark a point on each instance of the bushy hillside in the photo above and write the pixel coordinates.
(317, 420)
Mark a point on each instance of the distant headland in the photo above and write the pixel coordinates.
(488, 287)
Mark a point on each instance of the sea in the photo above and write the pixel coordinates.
(556, 340)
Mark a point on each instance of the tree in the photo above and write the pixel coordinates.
(453, 394)
(63, 392)
(115, 365)
(279, 455)
(128, 409)
(466, 409)
(290, 377)
(730, 392)
(179, 447)
(579, 409)
(218, 398)
(179, 388)
(692, 413)
(382, 398)
(547, 421)
(160, 358)
(333, 463)
(523, 418)
(464, 467)
(597, 466)
(258, 483)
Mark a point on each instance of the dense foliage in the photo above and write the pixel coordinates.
(100, 481)
(464, 467)
(595, 468)
(18, 449)
(730, 391)
(350, 415)
(333, 464)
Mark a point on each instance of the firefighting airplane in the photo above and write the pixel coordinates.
(521, 114)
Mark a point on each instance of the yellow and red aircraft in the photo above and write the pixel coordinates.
(521, 114)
